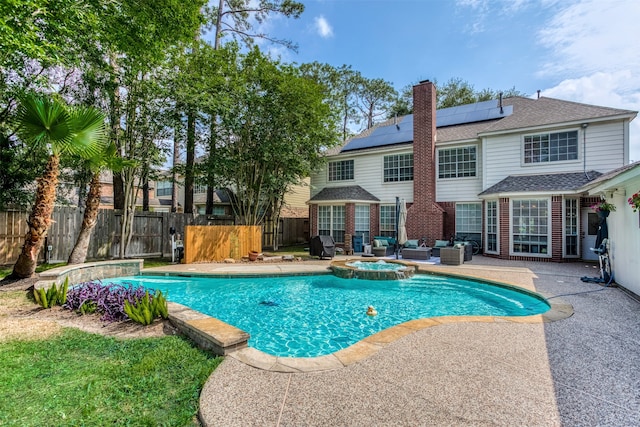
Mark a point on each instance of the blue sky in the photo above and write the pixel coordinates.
(579, 50)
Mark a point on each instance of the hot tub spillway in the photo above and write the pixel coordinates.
(373, 270)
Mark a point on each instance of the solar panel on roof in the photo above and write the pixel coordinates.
(403, 131)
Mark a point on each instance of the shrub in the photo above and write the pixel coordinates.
(52, 296)
(147, 308)
(108, 300)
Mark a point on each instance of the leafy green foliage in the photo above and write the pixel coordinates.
(48, 298)
(79, 378)
(272, 128)
(147, 308)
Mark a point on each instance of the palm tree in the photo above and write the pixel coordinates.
(49, 124)
(104, 160)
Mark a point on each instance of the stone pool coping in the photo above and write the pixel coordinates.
(224, 339)
(214, 332)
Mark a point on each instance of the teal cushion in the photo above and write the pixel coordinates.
(384, 243)
(441, 243)
(411, 244)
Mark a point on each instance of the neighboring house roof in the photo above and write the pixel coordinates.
(542, 183)
(219, 196)
(294, 212)
(470, 121)
(108, 200)
(351, 192)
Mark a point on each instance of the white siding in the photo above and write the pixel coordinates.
(624, 237)
(604, 147)
(459, 189)
(368, 175)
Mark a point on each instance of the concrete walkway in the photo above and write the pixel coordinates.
(583, 370)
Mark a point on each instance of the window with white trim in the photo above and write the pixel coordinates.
(362, 223)
(163, 188)
(341, 170)
(457, 162)
(492, 225)
(388, 220)
(571, 227)
(530, 226)
(469, 220)
(551, 147)
(199, 188)
(331, 222)
(398, 167)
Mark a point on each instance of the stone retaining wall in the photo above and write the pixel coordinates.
(79, 273)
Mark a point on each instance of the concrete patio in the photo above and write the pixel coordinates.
(582, 370)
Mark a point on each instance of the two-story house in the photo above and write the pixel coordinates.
(507, 173)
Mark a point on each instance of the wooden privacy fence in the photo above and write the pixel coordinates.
(151, 236)
(206, 243)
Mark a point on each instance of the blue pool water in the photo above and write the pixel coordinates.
(380, 265)
(306, 316)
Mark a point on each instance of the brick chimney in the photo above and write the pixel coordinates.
(425, 217)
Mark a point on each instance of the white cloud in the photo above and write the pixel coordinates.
(594, 56)
(323, 27)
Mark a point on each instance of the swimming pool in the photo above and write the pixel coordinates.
(307, 316)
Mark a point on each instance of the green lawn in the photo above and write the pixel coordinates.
(79, 378)
(7, 269)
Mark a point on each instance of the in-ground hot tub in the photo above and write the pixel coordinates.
(373, 270)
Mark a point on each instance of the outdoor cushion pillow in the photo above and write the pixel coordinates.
(411, 244)
(441, 243)
(376, 243)
(384, 242)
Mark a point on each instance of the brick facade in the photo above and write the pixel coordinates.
(425, 217)
(557, 231)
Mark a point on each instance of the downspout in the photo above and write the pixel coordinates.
(584, 150)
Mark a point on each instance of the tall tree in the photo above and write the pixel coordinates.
(238, 18)
(276, 125)
(375, 98)
(341, 90)
(56, 129)
(453, 93)
(106, 160)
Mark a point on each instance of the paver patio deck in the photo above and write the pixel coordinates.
(583, 370)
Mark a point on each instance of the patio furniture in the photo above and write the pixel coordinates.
(452, 255)
(422, 253)
(322, 246)
(387, 243)
(380, 251)
(348, 248)
(439, 244)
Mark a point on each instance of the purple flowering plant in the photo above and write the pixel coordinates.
(108, 300)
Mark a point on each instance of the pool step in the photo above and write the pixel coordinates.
(208, 333)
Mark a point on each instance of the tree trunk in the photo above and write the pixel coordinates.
(39, 220)
(145, 194)
(174, 174)
(191, 151)
(210, 167)
(79, 252)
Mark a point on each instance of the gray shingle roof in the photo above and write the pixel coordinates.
(351, 192)
(549, 182)
(549, 111)
(527, 113)
(613, 173)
